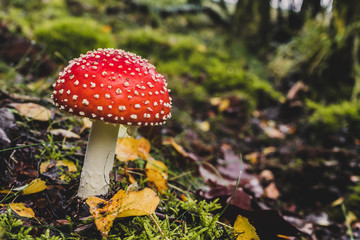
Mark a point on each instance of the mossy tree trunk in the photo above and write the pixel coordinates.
(251, 22)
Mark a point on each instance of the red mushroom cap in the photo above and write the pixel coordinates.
(114, 86)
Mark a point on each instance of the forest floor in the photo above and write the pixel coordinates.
(224, 159)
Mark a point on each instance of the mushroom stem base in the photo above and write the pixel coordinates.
(99, 159)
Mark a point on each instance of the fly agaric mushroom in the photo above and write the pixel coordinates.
(110, 86)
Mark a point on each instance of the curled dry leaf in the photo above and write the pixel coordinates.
(64, 133)
(47, 169)
(129, 148)
(244, 230)
(32, 110)
(157, 174)
(178, 148)
(122, 204)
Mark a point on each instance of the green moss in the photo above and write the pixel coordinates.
(332, 117)
(72, 36)
(194, 68)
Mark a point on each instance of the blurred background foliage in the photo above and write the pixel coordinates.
(256, 50)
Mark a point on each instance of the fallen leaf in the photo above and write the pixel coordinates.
(139, 203)
(252, 157)
(122, 204)
(271, 191)
(56, 169)
(34, 186)
(224, 104)
(244, 230)
(64, 133)
(270, 130)
(21, 210)
(129, 148)
(204, 126)
(143, 148)
(105, 212)
(32, 110)
(155, 177)
(176, 146)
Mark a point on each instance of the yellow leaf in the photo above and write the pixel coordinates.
(64, 133)
(71, 167)
(35, 186)
(178, 148)
(204, 126)
(126, 149)
(252, 157)
(156, 178)
(32, 110)
(105, 212)
(224, 104)
(157, 174)
(337, 202)
(244, 230)
(143, 148)
(46, 166)
(21, 210)
(139, 203)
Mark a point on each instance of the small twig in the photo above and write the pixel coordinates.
(157, 225)
(163, 216)
(224, 225)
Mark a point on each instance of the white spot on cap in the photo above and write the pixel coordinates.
(71, 76)
(93, 115)
(137, 106)
(61, 91)
(122, 108)
(92, 85)
(107, 95)
(155, 104)
(85, 102)
(126, 84)
(75, 97)
(96, 96)
(118, 91)
(84, 85)
(100, 108)
(81, 113)
(76, 82)
(68, 91)
(86, 75)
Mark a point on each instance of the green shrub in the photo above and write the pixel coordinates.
(72, 36)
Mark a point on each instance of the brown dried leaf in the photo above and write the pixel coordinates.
(32, 110)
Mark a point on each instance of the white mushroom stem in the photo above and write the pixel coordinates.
(99, 159)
